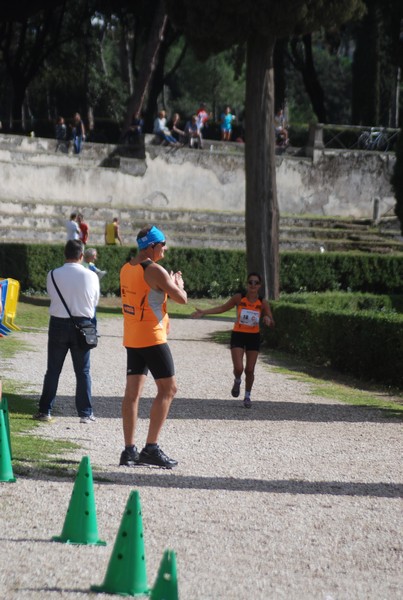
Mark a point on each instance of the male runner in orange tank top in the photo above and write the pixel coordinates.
(145, 286)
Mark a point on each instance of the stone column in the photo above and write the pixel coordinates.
(315, 146)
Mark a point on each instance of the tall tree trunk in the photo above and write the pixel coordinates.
(311, 81)
(304, 62)
(154, 91)
(19, 87)
(366, 68)
(126, 52)
(280, 90)
(148, 64)
(261, 211)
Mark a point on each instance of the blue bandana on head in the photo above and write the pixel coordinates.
(154, 236)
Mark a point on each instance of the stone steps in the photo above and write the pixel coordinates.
(45, 223)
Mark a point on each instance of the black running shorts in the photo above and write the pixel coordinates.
(157, 359)
(247, 341)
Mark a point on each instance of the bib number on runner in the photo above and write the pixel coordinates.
(250, 318)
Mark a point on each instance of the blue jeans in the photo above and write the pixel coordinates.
(77, 143)
(62, 337)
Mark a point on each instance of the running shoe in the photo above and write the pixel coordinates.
(247, 403)
(235, 389)
(45, 417)
(88, 419)
(157, 458)
(129, 457)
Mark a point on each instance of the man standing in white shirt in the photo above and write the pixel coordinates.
(72, 228)
(80, 289)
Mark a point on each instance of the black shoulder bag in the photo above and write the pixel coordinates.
(87, 336)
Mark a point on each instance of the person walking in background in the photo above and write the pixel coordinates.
(78, 133)
(145, 286)
(72, 228)
(90, 258)
(112, 233)
(226, 124)
(245, 337)
(84, 229)
(80, 290)
(61, 134)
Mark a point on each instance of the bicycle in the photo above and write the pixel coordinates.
(375, 139)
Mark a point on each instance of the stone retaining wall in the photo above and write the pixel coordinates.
(330, 183)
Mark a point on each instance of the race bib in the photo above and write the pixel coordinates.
(250, 318)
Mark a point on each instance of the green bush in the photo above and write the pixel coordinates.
(348, 302)
(354, 271)
(29, 264)
(206, 272)
(210, 272)
(357, 333)
(366, 344)
(298, 134)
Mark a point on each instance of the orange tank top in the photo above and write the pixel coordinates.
(248, 316)
(145, 317)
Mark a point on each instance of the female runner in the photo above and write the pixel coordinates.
(245, 336)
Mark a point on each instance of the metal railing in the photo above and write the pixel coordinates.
(354, 137)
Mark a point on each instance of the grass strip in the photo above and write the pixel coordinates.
(31, 453)
(329, 384)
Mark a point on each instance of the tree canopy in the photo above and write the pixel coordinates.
(219, 25)
(110, 58)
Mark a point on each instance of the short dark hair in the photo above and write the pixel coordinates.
(73, 249)
(73, 216)
(254, 274)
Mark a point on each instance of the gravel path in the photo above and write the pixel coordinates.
(299, 497)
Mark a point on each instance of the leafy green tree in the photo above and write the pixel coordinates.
(302, 53)
(27, 42)
(214, 81)
(24, 47)
(333, 68)
(219, 25)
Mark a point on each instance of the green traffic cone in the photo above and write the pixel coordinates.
(166, 584)
(80, 525)
(126, 573)
(6, 468)
(4, 408)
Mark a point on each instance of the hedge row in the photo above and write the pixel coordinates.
(209, 272)
(348, 302)
(365, 344)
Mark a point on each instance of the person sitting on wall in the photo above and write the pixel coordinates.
(135, 130)
(193, 133)
(161, 130)
(178, 133)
